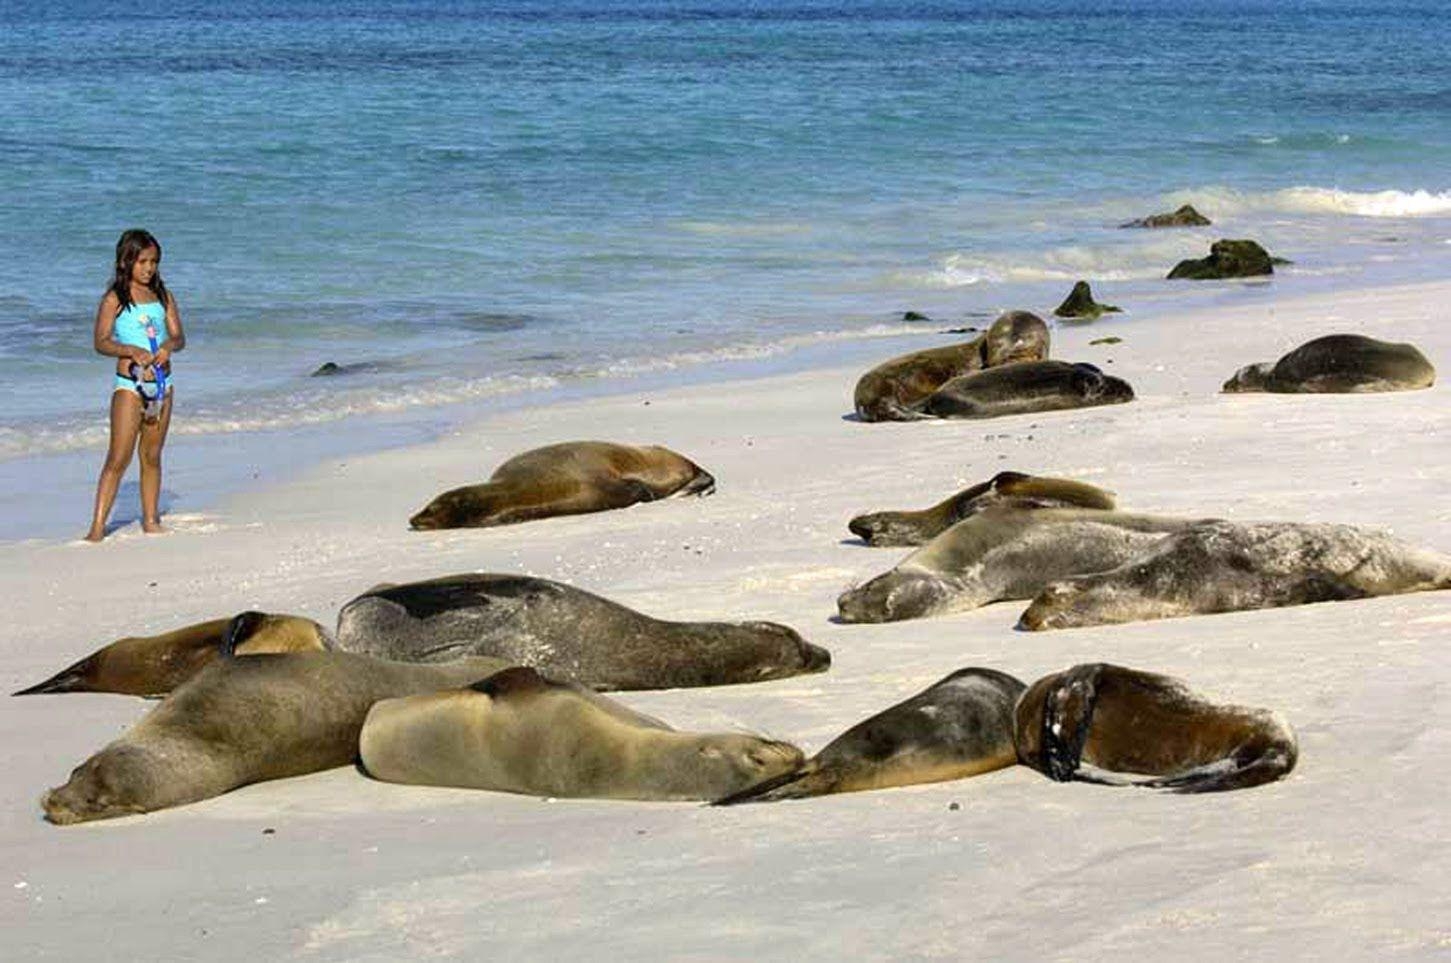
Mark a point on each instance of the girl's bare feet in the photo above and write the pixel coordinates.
(95, 536)
(152, 527)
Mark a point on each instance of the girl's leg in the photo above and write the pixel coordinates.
(125, 423)
(153, 436)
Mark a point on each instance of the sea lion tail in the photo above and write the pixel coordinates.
(70, 679)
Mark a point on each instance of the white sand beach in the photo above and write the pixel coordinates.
(1345, 859)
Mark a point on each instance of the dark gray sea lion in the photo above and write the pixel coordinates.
(566, 633)
(1227, 259)
(1339, 363)
(892, 390)
(569, 478)
(1022, 491)
(1221, 566)
(240, 721)
(1025, 388)
(1097, 720)
(959, 727)
(517, 732)
(153, 665)
(1185, 216)
(1003, 553)
(1080, 304)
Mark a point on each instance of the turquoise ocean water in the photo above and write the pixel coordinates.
(488, 204)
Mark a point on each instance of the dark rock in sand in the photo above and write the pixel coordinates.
(1106, 341)
(1185, 216)
(1227, 259)
(1080, 304)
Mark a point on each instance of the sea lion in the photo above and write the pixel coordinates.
(1098, 719)
(1004, 552)
(240, 721)
(517, 732)
(566, 633)
(959, 727)
(569, 478)
(1339, 363)
(153, 665)
(1022, 491)
(1026, 387)
(1219, 566)
(892, 390)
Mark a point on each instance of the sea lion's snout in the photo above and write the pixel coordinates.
(813, 657)
(702, 484)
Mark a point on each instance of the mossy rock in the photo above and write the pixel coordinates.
(1227, 259)
(1080, 304)
(1185, 216)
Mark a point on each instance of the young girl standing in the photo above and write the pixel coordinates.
(137, 323)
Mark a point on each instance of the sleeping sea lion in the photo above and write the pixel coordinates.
(517, 732)
(1095, 720)
(1003, 552)
(1026, 387)
(153, 665)
(240, 721)
(566, 633)
(1219, 566)
(569, 478)
(892, 390)
(1339, 363)
(959, 727)
(1022, 491)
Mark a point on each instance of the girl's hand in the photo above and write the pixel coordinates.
(141, 356)
(161, 357)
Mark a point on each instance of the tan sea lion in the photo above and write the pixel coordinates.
(892, 390)
(566, 633)
(1003, 552)
(569, 478)
(153, 665)
(959, 727)
(1218, 566)
(1339, 363)
(1025, 388)
(1022, 491)
(517, 732)
(1095, 720)
(240, 721)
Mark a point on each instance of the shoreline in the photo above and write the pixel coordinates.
(1331, 860)
(215, 467)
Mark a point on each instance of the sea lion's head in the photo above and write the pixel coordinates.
(452, 509)
(730, 763)
(107, 785)
(892, 597)
(1015, 336)
(1252, 377)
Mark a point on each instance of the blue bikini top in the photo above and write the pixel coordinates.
(130, 325)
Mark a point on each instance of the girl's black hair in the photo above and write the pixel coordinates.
(128, 249)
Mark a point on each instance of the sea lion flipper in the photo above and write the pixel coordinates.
(73, 678)
(515, 680)
(238, 631)
(784, 786)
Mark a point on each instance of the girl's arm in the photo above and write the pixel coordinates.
(175, 336)
(101, 338)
